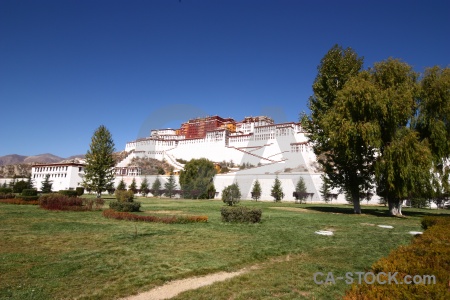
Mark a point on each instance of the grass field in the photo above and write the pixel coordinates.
(81, 255)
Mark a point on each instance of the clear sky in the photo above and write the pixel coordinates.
(67, 67)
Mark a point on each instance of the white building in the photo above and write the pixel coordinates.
(63, 176)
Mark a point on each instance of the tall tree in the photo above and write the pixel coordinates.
(277, 190)
(99, 170)
(433, 125)
(144, 187)
(256, 190)
(46, 186)
(170, 186)
(196, 178)
(344, 160)
(156, 187)
(30, 184)
(325, 189)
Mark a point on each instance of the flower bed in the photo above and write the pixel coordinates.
(19, 201)
(111, 214)
(427, 255)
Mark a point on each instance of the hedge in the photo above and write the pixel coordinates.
(240, 214)
(125, 206)
(19, 201)
(428, 254)
(29, 192)
(69, 193)
(111, 214)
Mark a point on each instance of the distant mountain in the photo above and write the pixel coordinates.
(14, 159)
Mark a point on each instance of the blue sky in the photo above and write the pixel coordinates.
(67, 67)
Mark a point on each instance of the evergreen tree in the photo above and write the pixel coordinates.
(122, 186)
(30, 184)
(256, 190)
(133, 186)
(46, 186)
(300, 189)
(170, 186)
(277, 190)
(231, 194)
(156, 188)
(144, 187)
(99, 170)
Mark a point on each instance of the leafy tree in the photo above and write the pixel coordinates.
(121, 186)
(156, 187)
(99, 170)
(277, 190)
(231, 194)
(345, 158)
(196, 178)
(144, 187)
(256, 190)
(325, 189)
(46, 186)
(133, 186)
(300, 189)
(170, 186)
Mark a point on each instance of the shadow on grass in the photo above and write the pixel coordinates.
(379, 211)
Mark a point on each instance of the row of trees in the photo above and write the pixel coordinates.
(385, 128)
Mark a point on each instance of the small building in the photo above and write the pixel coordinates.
(63, 176)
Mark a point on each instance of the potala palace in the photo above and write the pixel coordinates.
(266, 148)
(272, 149)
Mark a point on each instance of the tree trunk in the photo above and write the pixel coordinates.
(356, 202)
(395, 207)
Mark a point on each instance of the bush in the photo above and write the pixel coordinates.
(7, 196)
(5, 190)
(29, 192)
(19, 186)
(80, 191)
(59, 202)
(241, 214)
(124, 196)
(429, 254)
(231, 194)
(125, 206)
(19, 201)
(29, 198)
(68, 193)
(111, 214)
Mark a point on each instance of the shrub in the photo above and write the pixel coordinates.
(111, 214)
(69, 193)
(124, 196)
(80, 191)
(63, 202)
(125, 206)
(428, 254)
(231, 194)
(29, 198)
(4, 190)
(7, 196)
(241, 214)
(29, 192)
(19, 186)
(19, 201)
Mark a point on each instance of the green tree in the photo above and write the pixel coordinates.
(121, 186)
(196, 178)
(156, 187)
(19, 186)
(144, 187)
(300, 189)
(345, 158)
(133, 186)
(256, 190)
(30, 184)
(231, 194)
(277, 190)
(325, 189)
(99, 170)
(47, 184)
(170, 186)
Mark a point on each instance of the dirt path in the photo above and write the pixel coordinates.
(173, 288)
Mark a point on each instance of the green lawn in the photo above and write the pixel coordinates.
(81, 255)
